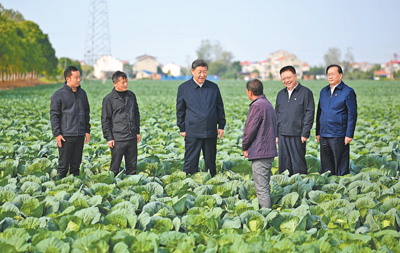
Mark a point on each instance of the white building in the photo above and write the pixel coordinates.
(171, 69)
(106, 65)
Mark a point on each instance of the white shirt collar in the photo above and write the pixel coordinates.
(291, 91)
(201, 85)
(333, 88)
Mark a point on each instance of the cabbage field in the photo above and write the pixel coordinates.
(162, 210)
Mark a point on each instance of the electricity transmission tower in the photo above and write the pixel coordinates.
(98, 35)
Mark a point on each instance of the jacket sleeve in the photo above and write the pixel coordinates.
(180, 110)
(55, 115)
(277, 115)
(318, 125)
(137, 117)
(252, 125)
(106, 119)
(87, 115)
(220, 111)
(308, 115)
(351, 103)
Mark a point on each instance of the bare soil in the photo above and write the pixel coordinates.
(20, 83)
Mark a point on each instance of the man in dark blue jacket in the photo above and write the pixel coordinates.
(336, 122)
(70, 117)
(120, 120)
(294, 110)
(258, 140)
(200, 117)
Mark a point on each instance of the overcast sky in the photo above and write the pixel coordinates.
(172, 30)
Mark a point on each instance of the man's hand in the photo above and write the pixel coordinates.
(276, 140)
(111, 143)
(138, 138)
(220, 133)
(59, 139)
(347, 140)
(183, 134)
(87, 138)
(318, 138)
(246, 154)
(303, 139)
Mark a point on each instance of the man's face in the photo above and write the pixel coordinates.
(333, 76)
(289, 79)
(74, 80)
(199, 74)
(121, 84)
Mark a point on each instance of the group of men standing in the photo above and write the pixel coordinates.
(291, 125)
(335, 123)
(70, 123)
(201, 120)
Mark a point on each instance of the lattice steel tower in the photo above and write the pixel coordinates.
(98, 35)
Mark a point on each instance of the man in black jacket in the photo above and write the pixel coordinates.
(70, 117)
(120, 120)
(200, 118)
(295, 116)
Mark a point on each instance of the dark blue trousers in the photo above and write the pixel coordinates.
(335, 155)
(192, 154)
(292, 155)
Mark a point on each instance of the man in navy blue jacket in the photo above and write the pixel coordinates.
(336, 122)
(200, 117)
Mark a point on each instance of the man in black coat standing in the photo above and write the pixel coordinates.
(294, 110)
(120, 120)
(200, 118)
(70, 117)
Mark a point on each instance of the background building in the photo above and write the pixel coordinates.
(105, 66)
(143, 64)
(269, 68)
(171, 69)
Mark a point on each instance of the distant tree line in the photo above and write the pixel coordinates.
(25, 51)
(219, 60)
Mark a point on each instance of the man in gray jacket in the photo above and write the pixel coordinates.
(294, 110)
(258, 141)
(70, 117)
(120, 120)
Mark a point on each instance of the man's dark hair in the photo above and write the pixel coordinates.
(255, 86)
(334, 65)
(199, 63)
(68, 71)
(117, 75)
(288, 68)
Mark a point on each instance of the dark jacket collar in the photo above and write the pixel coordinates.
(69, 88)
(115, 93)
(298, 87)
(259, 97)
(195, 85)
(339, 87)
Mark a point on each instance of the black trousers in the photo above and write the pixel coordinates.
(70, 155)
(292, 154)
(335, 155)
(128, 149)
(192, 154)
